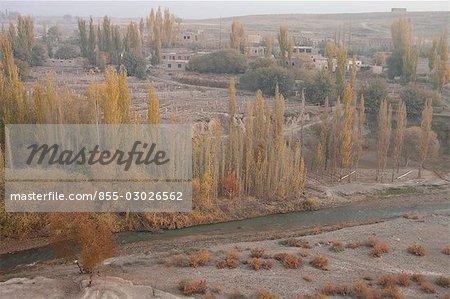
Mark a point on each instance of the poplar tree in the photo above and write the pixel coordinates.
(425, 133)
(323, 147)
(283, 41)
(440, 62)
(331, 54)
(347, 140)
(353, 78)
(91, 47)
(23, 45)
(341, 53)
(268, 42)
(400, 120)
(83, 37)
(237, 36)
(384, 136)
(153, 114)
(359, 133)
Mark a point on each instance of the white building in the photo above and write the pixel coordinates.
(175, 59)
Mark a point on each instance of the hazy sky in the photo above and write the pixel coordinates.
(211, 9)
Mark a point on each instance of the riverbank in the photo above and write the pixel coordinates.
(324, 196)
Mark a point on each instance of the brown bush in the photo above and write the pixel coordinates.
(255, 263)
(320, 262)
(403, 279)
(389, 292)
(336, 246)
(446, 296)
(311, 296)
(427, 287)
(199, 258)
(257, 252)
(418, 250)
(353, 245)
(443, 282)
(216, 288)
(379, 249)
(342, 290)
(231, 260)
(446, 250)
(417, 277)
(289, 261)
(267, 264)
(265, 294)
(310, 204)
(387, 281)
(177, 260)
(308, 278)
(194, 286)
(362, 290)
(296, 243)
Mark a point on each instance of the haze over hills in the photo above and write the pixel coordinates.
(377, 24)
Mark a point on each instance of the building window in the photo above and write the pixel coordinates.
(164, 57)
(308, 50)
(169, 65)
(179, 57)
(179, 65)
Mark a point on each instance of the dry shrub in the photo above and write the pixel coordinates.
(403, 279)
(336, 246)
(330, 289)
(311, 296)
(216, 288)
(446, 296)
(303, 253)
(417, 277)
(353, 245)
(446, 250)
(199, 258)
(289, 261)
(387, 281)
(177, 260)
(389, 292)
(362, 290)
(308, 278)
(257, 252)
(418, 250)
(267, 264)
(265, 294)
(90, 231)
(231, 260)
(379, 249)
(320, 262)
(194, 286)
(443, 282)
(236, 294)
(296, 243)
(255, 263)
(427, 287)
(310, 204)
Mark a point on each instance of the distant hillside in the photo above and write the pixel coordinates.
(426, 24)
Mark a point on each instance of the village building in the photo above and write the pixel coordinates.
(175, 59)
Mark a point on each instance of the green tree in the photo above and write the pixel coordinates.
(223, 61)
(319, 87)
(267, 78)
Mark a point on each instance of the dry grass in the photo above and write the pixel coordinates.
(379, 249)
(417, 277)
(403, 279)
(353, 245)
(255, 263)
(342, 290)
(257, 252)
(427, 287)
(209, 295)
(296, 243)
(289, 261)
(265, 294)
(232, 260)
(446, 296)
(443, 282)
(320, 262)
(195, 286)
(362, 290)
(199, 258)
(387, 281)
(371, 242)
(310, 204)
(336, 246)
(411, 216)
(418, 250)
(177, 260)
(390, 292)
(446, 250)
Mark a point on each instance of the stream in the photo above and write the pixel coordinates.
(355, 212)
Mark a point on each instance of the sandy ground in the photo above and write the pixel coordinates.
(138, 273)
